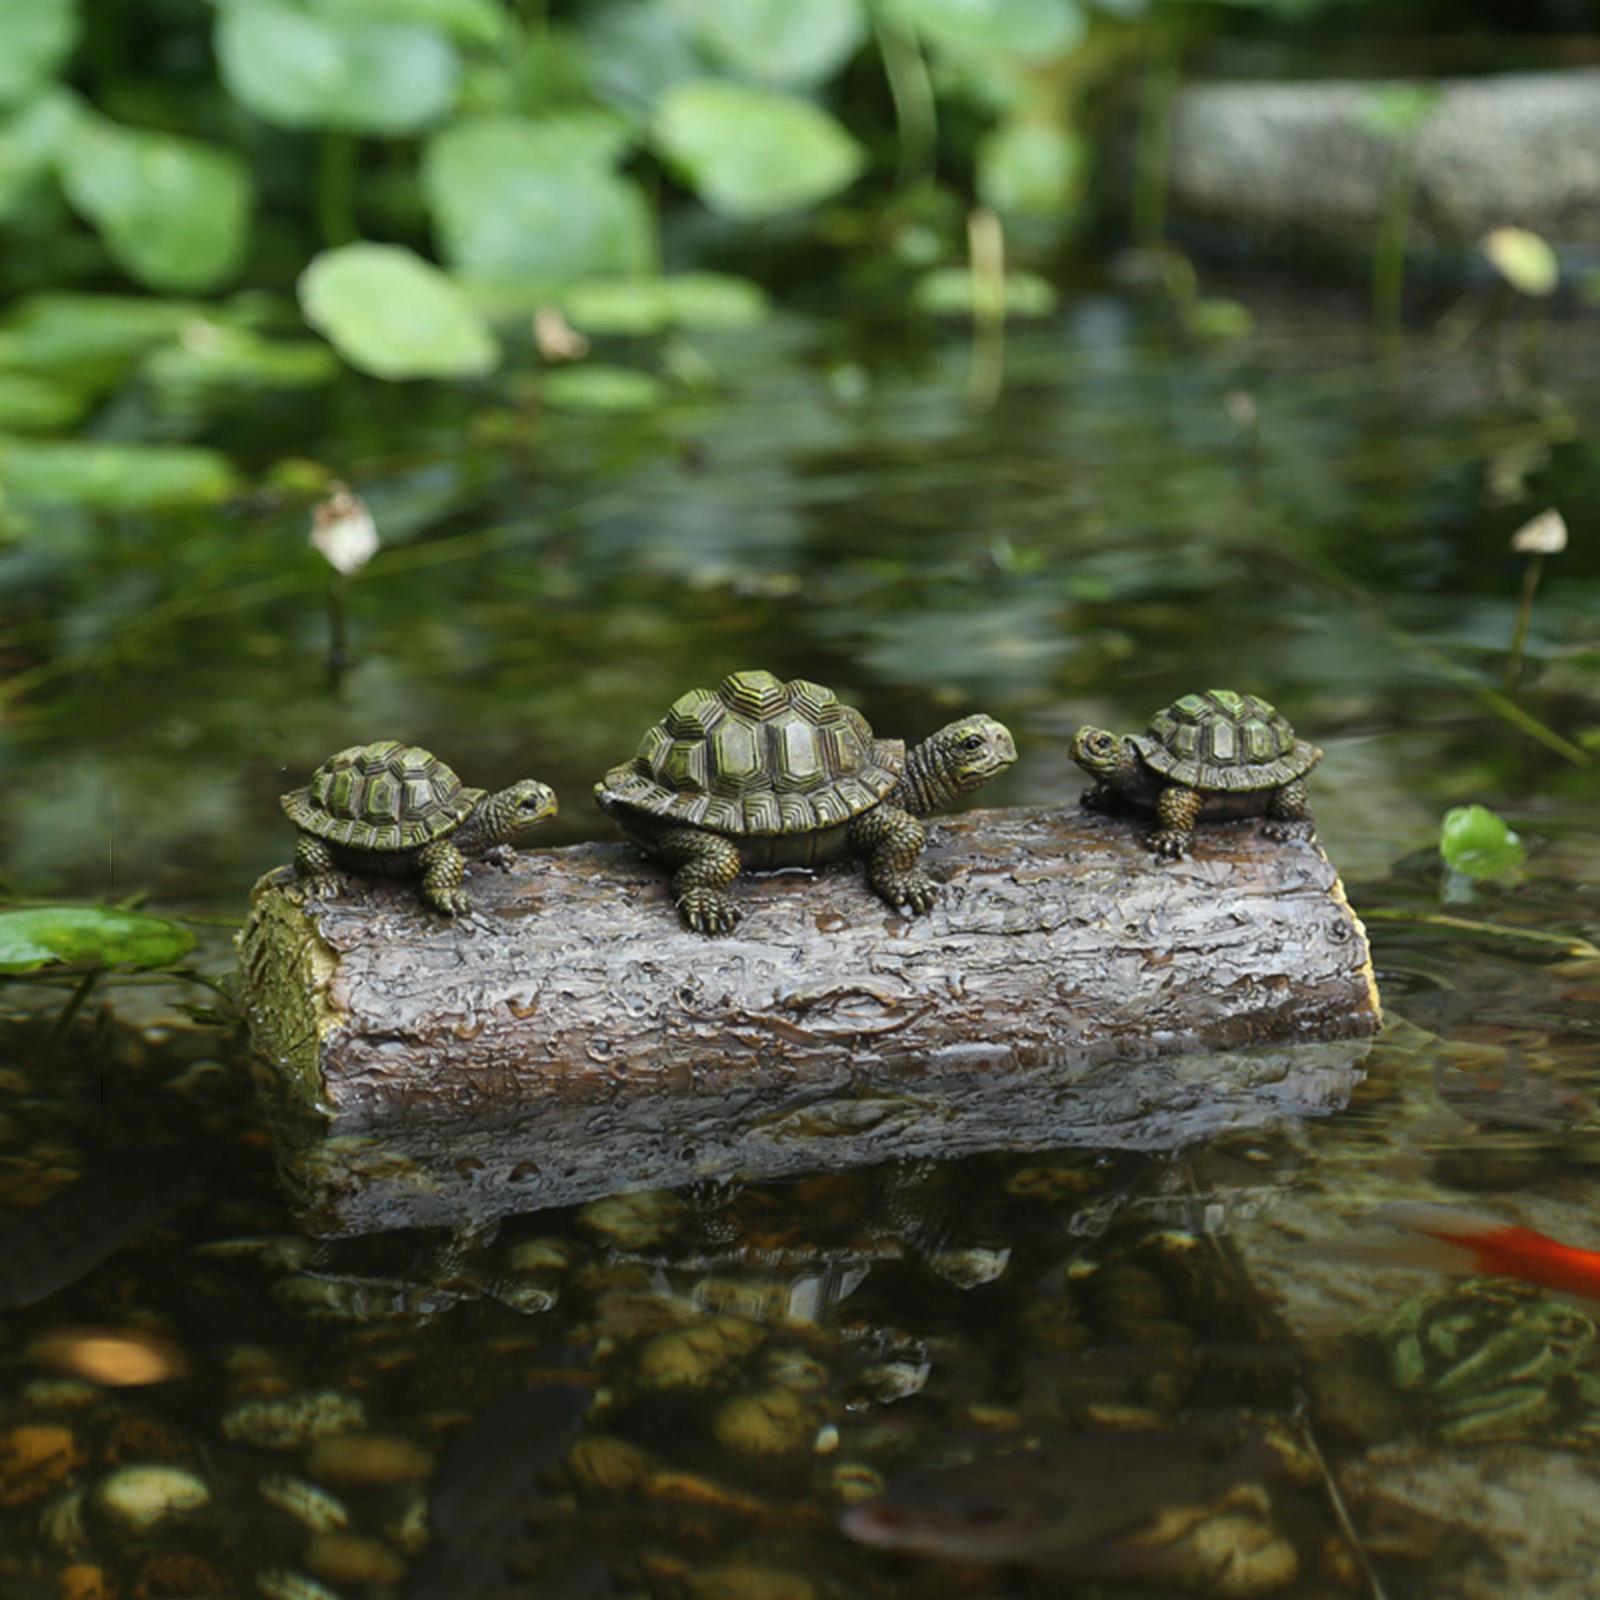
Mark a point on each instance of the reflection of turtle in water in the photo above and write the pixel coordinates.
(760, 774)
(1205, 757)
(392, 810)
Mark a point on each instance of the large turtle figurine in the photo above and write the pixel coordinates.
(393, 810)
(762, 774)
(1205, 757)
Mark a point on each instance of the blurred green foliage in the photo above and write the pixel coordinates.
(35, 938)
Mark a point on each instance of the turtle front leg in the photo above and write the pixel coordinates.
(892, 840)
(443, 870)
(1289, 813)
(1177, 809)
(1098, 797)
(707, 864)
(314, 865)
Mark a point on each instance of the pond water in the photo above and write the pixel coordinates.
(1297, 512)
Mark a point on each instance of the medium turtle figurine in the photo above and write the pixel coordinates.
(393, 810)
(762, 774)
(1205, 757)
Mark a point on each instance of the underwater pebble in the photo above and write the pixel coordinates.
(853, 1481)
(1051, 1185)
(61, 1522)
(540, 1255)
(114, 1357)
(288, 1424)
(633, 1221)
(280, 1252)
(84, 1581)
(1243, 1559)
(60, 1394)
(889, 1381)
(279, 1583)
(748, 1582)
(528, 1299)
(354, 1558)
(796, 1369)
(140, 1497)
(408, 1531)
(769, 1422)
(368, 1459)
(305, 1502)
(34, 1459)
(600, 1464)
(689, 1358)
(968, 1269)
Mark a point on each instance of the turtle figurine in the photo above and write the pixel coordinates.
(760, 774)
(394, 810)
(1205, 757)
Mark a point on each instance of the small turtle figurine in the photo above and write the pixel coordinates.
(762, 774)
(392, 810)
(1205, 757)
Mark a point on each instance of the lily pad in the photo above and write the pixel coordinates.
(87, 334)
(480, 22)
(778, 40)
(35, 937)
(1477, 843)
(1031, 29)
(174, 213)
(113, 477)
(754, 152)
(390, 313)
(32, 404)
(215, 355)
(1030, 168)
(947, 292)
(593, 387)
(519, 198)
(30, 139)
(36, 36)
(700, 300)
(303, 69)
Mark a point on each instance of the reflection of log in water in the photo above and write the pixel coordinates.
(569, 1038)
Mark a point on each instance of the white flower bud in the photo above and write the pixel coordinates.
(342, 531)
(1546, 535)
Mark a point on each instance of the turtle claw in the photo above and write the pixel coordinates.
(708, 911)
(452, 902)
(916, 891)
(1170, 844)
(1288, 828)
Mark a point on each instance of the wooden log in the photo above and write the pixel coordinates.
(569, 1038)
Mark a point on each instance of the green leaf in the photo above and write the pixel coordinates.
(1477, 843)
(50, 332)
(210, 354)
(702, 300)
(113, 477)
(1398, 110)
(478, 22)
(947, 292)
(1523, 259)
(29, 141)
(38, 405)
(514, 198)
(592, 387)
(754, 152)
(390, 313)
(1030, 168)
(1032, 29)
(174, 213)
(636, 51)
(36, 36)
(778, 40)
(94, 936)
(301, 69)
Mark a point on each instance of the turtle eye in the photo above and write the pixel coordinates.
(973, 741)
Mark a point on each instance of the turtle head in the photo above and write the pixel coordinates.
(509, 815)
(962, 756)
(1102, 755)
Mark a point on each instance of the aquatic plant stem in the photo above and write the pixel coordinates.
(1519, 628)
(986, 248)
(1570, 943)
(911, 89)
(1152, 159)
(336, 187)
(338, 631)
(1389, 245)
(75, 1002)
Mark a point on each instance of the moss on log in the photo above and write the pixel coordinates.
(568, 1037)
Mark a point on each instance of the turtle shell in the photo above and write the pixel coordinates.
(758, 756)
(1221, 740)
(383, 796)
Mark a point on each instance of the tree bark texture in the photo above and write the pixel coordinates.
(568, 1038)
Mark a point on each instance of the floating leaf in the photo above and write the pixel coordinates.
(1030, 168)
(213, 354)
(1523, 259)
(302, 69)
(36, 36)
(390, 313)
(1478, 844)
(753, 152)
(778, 40)
(637, 50)
(49, 332)
(113, 477)
(1032, 29)
(947, 292)
(515, 198)
(33, 937)
(483, 22)
(702, 300)
(596, 388)
(33, 404)
(29, 141)
(174, 213)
